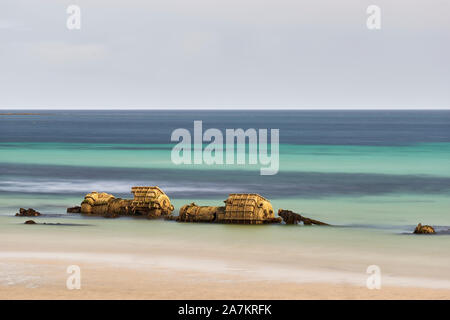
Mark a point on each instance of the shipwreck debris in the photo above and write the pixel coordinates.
(247, 208)
(151, 202)
(27, 213)
(240, 208)
(424, 229)
(290, 217)
(194, 213)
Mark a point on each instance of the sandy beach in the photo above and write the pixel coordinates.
(106, 282)
(118, 265)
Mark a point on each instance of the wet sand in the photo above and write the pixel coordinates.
(47, 280)
(33, 266)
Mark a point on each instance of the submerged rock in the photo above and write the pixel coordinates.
(29, 222)
(420, 229)
(290, 217)
(27, 213)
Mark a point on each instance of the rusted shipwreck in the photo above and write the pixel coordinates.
(153, 203)
(244, 208)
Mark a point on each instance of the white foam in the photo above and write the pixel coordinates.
(110, 186)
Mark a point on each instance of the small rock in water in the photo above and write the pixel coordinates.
(27, 213)
(30, 222)
(420, 229)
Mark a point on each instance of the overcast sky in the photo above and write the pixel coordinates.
(224, 53)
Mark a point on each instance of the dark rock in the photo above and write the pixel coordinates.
(76, 209)
(27, 213)
(30, 222)
(290, 217)
(420, 229)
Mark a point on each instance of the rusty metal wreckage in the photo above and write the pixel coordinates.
(153, 203)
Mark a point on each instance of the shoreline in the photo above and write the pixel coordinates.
(120, 262)
(46, 279)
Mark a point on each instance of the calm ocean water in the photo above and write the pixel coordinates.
(374, 169)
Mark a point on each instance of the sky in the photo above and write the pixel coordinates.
(141, 54)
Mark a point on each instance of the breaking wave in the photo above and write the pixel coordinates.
(120, 187)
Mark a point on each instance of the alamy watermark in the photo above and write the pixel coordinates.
(73, 22)
(74, 19)
(190, 151)
(374, 280)
(374, 18)
(73, 281)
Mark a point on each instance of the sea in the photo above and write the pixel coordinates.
(372, 175)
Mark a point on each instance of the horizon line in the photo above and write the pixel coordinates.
(228, 108)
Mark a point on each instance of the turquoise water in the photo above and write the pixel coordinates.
(426, 159)
(53, 195)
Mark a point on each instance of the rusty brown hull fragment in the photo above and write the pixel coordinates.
(150, 202)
